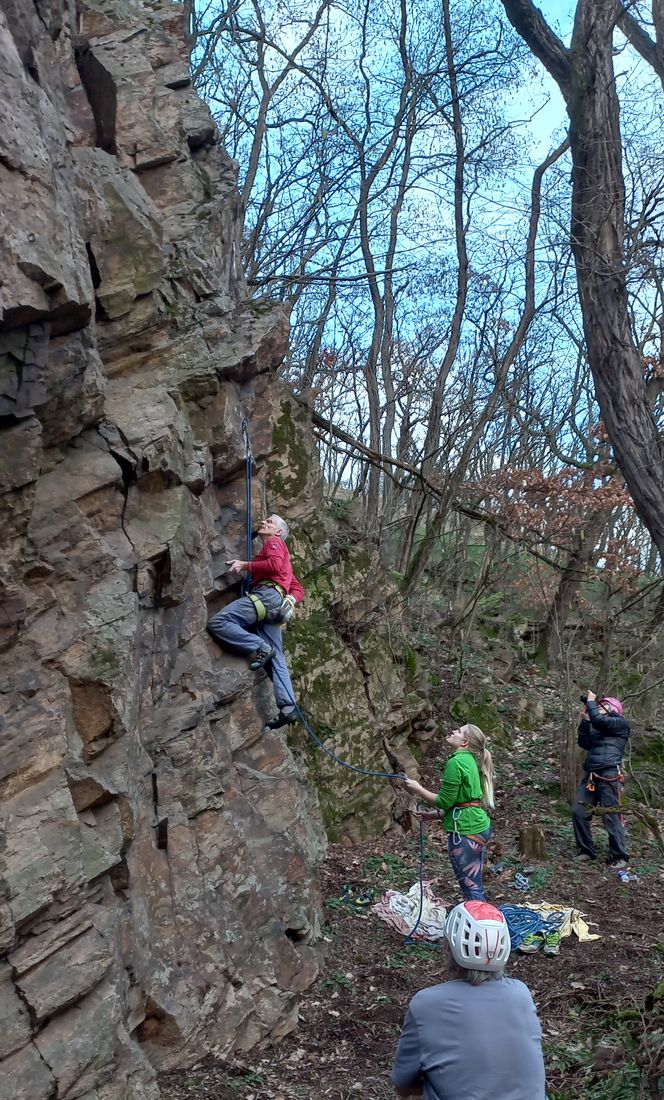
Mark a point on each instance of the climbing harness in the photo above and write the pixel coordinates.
(282, 615)
(456, 814)
(619, 778)
(273, 584)
(261, 610)
(592, 777)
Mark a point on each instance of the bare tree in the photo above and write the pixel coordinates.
(586, 77)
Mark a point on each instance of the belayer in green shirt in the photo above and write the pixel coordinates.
(466, 789)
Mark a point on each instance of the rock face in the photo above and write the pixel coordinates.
(158, 852)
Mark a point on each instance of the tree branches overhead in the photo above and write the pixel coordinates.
(401, 191)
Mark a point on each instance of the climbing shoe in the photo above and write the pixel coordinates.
(260, 658)
(551, 943)
(532, 942)
(282, 720)
(359, 903)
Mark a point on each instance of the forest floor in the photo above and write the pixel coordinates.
(601, 1002)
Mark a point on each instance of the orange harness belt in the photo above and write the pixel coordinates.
(590, 785)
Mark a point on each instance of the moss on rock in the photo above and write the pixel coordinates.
(289, 469)
(340, 648)
(481, 711)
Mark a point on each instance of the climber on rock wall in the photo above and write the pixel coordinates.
(253, 623)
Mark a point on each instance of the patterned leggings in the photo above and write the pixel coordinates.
(467, 855)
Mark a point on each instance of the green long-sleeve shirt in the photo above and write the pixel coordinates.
(461, 783)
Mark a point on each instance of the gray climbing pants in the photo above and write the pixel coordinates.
(236, 627)
(606, 793)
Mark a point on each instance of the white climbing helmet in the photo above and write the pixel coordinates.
(478, 936)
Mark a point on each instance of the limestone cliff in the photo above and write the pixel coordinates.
(157, 891)
(158, 851)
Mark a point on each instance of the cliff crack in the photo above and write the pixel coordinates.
(127, 460)
(351, 643)
(102, 96)
(161, 823)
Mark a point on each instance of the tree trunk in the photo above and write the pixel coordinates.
(586, 78)
(550, 645)
(532, 843)
(569, 759)
(658, 613)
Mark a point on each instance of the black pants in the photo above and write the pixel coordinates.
(606, 793)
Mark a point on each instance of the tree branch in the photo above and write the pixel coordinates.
(641, 42)
(531, 25)
(384, 462)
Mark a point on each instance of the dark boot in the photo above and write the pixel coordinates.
(260, 658)
(282, 720)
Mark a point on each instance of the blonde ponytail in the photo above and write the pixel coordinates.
(477, 745)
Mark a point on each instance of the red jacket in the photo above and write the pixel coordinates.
(272, 563)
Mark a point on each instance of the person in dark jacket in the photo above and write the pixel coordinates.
(603, 732)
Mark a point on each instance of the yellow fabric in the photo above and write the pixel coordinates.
(572, 921)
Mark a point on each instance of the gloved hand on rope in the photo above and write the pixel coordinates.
(282, 614)
(287, 610)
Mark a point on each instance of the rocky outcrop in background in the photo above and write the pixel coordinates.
(157, 849)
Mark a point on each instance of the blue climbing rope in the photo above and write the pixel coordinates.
(319, 743)
(409, 939)
(522, 921)
(248, 475)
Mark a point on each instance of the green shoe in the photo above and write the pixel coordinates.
(363, 901)
(531, 943)
(552, 943)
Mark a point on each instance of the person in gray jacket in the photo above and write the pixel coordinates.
(476, 1035)
(603, 732)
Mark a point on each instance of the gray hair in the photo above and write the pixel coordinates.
(473, 977)
(282, 525)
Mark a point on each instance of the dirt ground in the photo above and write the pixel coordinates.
(600, 1002)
